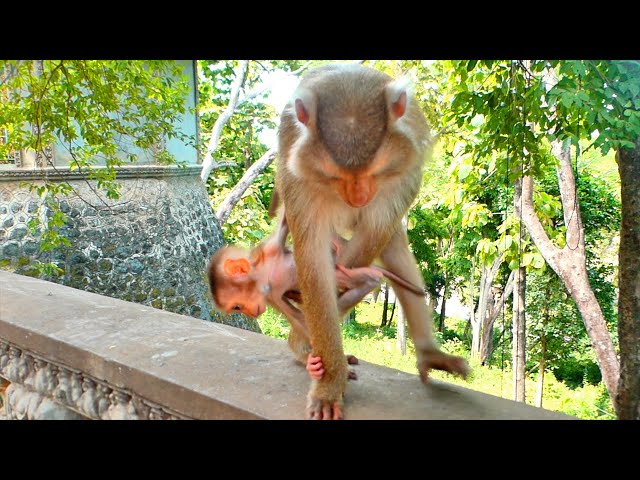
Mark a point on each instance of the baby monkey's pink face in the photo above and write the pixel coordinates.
(246, 299)
(234, 287)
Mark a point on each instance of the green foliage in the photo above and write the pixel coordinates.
(240, 145)
(102, 111)
(551, 323)
(89, 105)
(274, 324)
(426, 232)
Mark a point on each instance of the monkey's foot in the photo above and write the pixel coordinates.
(323, 409)
(437, 360)
(325, 398)
(352, 360)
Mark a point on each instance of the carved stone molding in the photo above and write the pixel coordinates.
(43, 389)
(63, 173)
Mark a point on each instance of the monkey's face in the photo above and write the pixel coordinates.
(357, 187)
(353, 132)
(246, 299)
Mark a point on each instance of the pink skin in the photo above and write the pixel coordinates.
(315, 367)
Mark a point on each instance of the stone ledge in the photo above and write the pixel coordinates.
(196, 369)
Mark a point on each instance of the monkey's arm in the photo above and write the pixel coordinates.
(283, 232)
(357, 282)
(317, 281)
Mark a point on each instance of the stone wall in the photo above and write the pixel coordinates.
(75, 354)
(150, 246)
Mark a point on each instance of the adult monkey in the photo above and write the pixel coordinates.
(352, 143)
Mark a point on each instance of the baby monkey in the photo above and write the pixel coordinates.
(243, 281)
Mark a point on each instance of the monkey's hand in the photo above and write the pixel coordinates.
(362, 279)
(316, 369)
(438, 360)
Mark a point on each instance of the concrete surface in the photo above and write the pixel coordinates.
(206, 370)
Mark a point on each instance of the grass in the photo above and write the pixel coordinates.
(366, 340)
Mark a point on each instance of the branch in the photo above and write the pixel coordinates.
(570, 207)
(254, 93)
(524, 209)
(267, 86)
(208, 163)
(508, 290)
(247, 179)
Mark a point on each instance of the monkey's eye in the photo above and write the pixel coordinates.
(236, 307)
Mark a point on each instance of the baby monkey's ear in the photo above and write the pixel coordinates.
(235, 267)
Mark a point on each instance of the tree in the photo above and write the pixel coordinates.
(556, 341)
(591, 100)
(628, 398)
(234, 112)
(105, 112)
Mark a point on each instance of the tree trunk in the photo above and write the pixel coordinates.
(485, 304)
(476, 323)
(519, 349)
(569, 263)
(486, 341)
(473, 321)
(349, 317)
(401, 338)
(628, 395)
(541, 367)
(443, 308)
(385, 305)
(393, 309)
(543, 349)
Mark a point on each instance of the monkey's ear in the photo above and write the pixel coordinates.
(305, 106)
(396, 93)
(235, 267)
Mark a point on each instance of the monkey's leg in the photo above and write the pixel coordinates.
(398, 258)
(300, 345)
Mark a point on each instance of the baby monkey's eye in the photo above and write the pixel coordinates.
(236, 307)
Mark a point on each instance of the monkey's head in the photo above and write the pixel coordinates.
(232, 282)
(349, 127)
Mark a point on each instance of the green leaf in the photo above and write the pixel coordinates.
(464, 170)
(537, 261)
(507, 242)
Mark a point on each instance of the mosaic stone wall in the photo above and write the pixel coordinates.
(151, 246)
